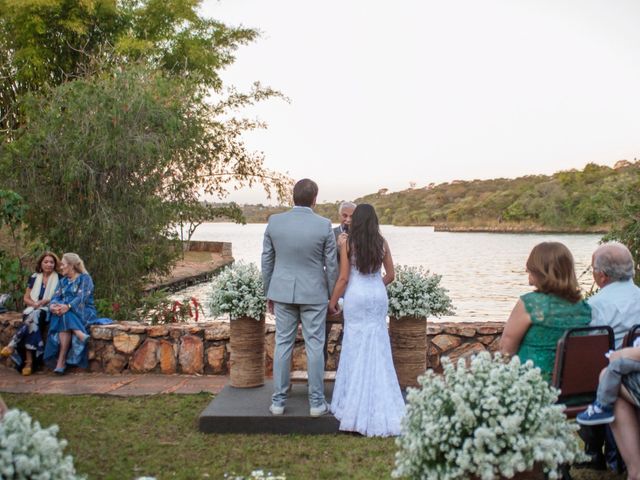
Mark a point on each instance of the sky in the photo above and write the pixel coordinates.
(386, 93)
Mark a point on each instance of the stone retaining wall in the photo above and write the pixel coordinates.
(203, 348)
(223, 248)
(460, 340)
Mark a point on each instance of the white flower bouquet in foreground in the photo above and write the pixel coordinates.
(416, 293)
(28, 451)
(238, 291)
(490, 419)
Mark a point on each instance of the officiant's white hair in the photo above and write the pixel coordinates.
(344, 205)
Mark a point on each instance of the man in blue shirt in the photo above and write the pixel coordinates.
(617, 303)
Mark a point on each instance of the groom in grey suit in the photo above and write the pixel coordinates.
(299, 270)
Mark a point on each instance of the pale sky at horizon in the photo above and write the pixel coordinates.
(387, 93)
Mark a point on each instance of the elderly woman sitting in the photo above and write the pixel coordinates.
(27, 345)
(541, 317)
(72, 310)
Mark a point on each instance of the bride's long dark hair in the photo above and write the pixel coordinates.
(365, 241)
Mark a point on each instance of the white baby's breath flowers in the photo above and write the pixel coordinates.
(238, 291)
(257, 475)
(490, 419)
(28, 451)
(416, 293)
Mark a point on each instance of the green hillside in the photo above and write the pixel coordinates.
(571, 201)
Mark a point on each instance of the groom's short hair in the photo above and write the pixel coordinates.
(305, 192)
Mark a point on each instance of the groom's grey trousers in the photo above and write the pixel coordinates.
(313, 319)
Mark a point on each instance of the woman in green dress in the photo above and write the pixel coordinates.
(541, 317)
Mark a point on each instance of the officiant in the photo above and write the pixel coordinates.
(341, 231)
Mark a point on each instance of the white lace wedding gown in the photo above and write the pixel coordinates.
(366, 395)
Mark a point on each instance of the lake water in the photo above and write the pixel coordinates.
(484, 272)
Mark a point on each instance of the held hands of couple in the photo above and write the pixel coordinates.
(334, 309)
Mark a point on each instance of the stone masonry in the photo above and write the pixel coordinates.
(203, 348)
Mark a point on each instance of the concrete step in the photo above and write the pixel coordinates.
(246, 410)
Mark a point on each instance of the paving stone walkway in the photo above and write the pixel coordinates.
(124, 385)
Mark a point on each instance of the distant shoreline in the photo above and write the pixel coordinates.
(601, 230)
(515, 229)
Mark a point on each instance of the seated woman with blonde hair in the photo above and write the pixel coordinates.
(541, 317)
(27, 346)
(72, 310)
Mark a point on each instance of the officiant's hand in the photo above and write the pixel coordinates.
(342, 238)
(270, 306)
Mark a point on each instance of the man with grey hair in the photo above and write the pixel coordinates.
(617, 304)
(345, 211)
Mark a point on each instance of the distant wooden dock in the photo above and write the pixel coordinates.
(201, 262)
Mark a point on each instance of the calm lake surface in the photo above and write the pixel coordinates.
(484, 272)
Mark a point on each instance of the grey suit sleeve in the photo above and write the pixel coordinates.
(331, 259)
(268, 260)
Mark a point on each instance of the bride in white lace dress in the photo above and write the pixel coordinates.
(366, 395)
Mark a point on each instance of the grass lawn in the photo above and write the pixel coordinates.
(123, 438)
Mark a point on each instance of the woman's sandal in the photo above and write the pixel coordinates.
(26, 370)
(6, 351)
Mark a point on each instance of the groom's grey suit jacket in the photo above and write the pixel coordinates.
(299, 258)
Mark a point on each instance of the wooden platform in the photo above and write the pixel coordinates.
(246, 410)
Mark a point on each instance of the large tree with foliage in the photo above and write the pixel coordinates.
(44, 43)
(627, 226)
(107, 165)
(116, 123)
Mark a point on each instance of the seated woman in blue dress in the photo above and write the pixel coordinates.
(541, 317)
(72, 311)
(27, 345)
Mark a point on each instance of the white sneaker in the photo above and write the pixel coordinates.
(276, 410)
(319, 411)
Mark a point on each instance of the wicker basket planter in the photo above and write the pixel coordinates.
(238, 291)
(246, 362)
(408, 337)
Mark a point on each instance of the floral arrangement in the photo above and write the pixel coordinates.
(238, 291)
(30, 451)
(416, 293)
(490, 419)
(257, 475)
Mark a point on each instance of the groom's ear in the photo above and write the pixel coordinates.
(313, 204)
